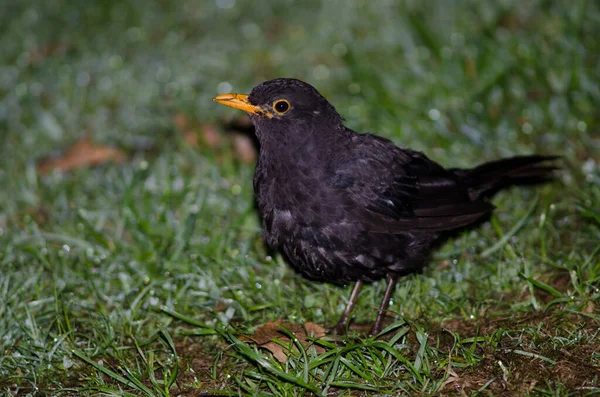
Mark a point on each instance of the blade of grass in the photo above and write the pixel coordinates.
(132, 382)
(500, 243)
(265, 364)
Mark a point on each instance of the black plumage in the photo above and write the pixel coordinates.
(345, 206)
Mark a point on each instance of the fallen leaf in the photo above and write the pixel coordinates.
(194, 133)
(590, 307)
(244, 148)
(239, 136)
(39, 54)
(83, 153)
(242, 124)
(180, 120)
(211, 135)
(191, 138)
(264, 337)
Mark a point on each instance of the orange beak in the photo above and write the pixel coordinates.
(240, 101)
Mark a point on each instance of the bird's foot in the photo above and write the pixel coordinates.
(375, 329)
(340, 328)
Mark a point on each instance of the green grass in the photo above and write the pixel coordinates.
(142, 278)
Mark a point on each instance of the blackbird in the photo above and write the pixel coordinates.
(353, 207)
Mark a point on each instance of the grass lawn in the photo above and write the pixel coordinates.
(148, 275)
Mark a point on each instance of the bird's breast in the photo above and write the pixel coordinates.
(291, 197)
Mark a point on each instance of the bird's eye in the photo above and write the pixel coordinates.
(281, 106)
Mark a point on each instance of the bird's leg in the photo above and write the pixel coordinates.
(389, 289)
(340, 327)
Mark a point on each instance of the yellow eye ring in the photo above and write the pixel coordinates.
(281, 106)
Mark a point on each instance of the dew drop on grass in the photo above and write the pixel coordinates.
(21, 90)
(67, 362)
(115, 61)
(23, 59)
(354, 88)
(163, 74)
(250, 30)
(339, 49)
(229, 313)
(134, 34)
(105, 84)
(224, 87)
(321, 72)
(83, 79)
(457, 39)
(434, 114)
(36, 89)
(225, 4)
(310, 301)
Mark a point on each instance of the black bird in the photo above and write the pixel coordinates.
(346, 206)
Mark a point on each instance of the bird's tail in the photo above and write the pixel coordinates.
(488, 178)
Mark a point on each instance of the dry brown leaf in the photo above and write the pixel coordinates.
(180, 120)
(206, 134)
(244, 148)
(191, 138)
(83, 153)
(264, 337)
(39, 54)
(590, 308)
(195, 135)
(211, 135)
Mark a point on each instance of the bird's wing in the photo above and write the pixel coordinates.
(393, 190)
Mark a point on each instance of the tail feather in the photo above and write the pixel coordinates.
(487, 178)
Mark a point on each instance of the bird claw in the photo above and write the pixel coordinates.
(340, 328)
(375, 330)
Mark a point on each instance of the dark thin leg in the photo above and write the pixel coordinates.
(391, 282)
(340, 327)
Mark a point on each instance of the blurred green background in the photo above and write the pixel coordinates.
(89, 257)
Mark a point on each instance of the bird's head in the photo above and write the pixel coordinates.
(284, 106)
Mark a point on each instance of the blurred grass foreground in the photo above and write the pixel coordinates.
(131, 256)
